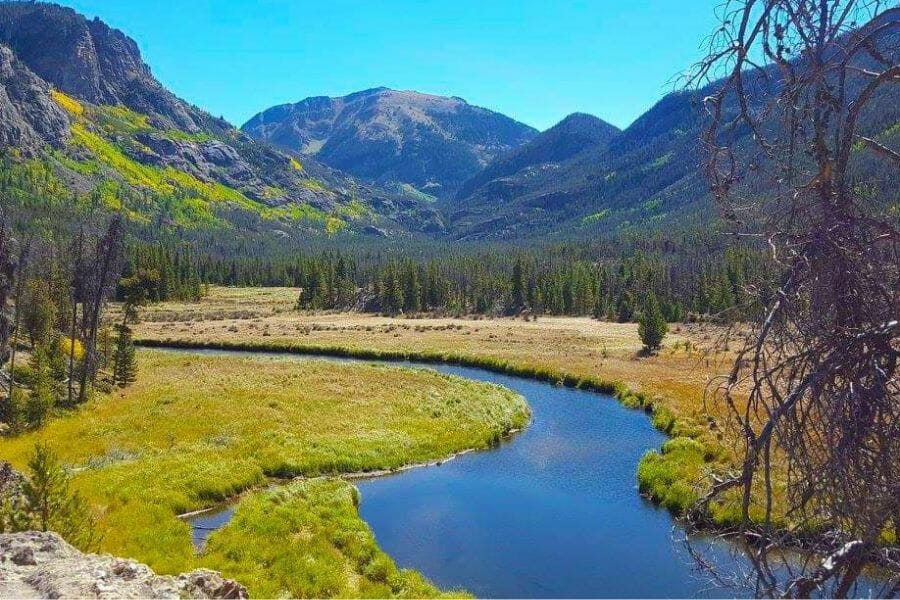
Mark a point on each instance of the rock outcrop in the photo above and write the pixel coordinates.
(37, 564)
(28, 117)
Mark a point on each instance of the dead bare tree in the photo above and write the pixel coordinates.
(101, 279)
(7, 284)
(814, 395)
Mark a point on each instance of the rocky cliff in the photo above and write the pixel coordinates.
(28, 117)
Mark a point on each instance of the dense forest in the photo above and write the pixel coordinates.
(573, 279)
(693, 272)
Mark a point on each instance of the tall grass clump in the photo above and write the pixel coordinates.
(328, 541)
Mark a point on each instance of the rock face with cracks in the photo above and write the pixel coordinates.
(36, 564)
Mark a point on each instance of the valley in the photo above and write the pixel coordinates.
(366, 338)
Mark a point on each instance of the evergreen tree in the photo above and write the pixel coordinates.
(392, 300)
(652, 324)
(124, 364)
(625, 307)
(43, 389)
(412, 290)
(49, 504)
(517, 295)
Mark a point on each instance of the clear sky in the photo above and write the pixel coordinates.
(534, 60)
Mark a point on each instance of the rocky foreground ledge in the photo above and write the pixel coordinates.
(36, 564)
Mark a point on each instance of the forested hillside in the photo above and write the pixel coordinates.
(648, 177)
(82, 109)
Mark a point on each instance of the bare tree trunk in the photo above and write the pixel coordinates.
(7, 284)
(76, 292)
(17, 302)
(108, 254)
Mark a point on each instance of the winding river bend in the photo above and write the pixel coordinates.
(552, 512)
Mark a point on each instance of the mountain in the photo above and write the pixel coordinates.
(84, 121)
(569, 137)
(394, 137)
(76, 96)
(28, 116)
(646, 178)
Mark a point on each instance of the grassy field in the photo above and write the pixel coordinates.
(194, 430)
(672, 385)
(578, 346)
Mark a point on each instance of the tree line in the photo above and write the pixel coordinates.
(55, 346)
(552, 280)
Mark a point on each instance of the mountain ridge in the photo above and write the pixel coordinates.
(77, 95)
(570, 136)
(431, 142)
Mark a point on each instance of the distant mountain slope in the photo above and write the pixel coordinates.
(573, 135)
(76, 95)
(636, 177)
(399, 137)
(647, 177)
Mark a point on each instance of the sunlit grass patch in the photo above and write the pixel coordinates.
(194, 430)
(306, 540)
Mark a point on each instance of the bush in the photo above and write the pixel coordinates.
(13, 411)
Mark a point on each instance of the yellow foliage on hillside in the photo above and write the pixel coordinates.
(67, 103)
(75, 347)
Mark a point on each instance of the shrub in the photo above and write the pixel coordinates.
(13, 411)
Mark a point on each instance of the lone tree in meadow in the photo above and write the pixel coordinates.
(652, 326)
(801, 158)
(124, 363)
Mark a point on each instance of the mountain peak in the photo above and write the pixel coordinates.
(393, 136)
(582, 120)
(574, 134)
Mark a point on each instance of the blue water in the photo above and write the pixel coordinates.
(552, 512)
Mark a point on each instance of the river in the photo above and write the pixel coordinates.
(552, 512)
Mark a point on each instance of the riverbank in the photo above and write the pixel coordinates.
(670, 476)
(605, 357)
(195, 430)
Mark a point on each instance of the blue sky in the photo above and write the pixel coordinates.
(536, 61)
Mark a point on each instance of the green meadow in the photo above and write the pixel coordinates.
(195, 430)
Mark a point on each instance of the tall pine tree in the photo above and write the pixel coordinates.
(124, 363)
(652, 324)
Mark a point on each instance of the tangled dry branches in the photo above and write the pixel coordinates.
(789, 128)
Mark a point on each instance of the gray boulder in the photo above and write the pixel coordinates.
(35, 564)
